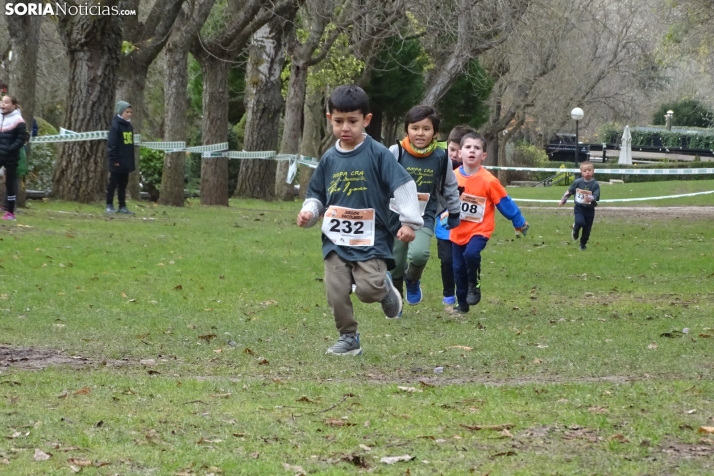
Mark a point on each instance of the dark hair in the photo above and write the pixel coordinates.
(13, 99)
(474, 135)
(419, 113)
(458, 132)
(348, 98)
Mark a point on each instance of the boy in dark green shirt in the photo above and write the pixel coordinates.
(351, 187)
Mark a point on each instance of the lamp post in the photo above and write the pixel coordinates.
(577, 114)
(668, 119)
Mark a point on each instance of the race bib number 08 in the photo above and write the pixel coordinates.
(348, 226)
(472, 208)
(583, 197)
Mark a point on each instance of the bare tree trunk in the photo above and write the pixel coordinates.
(176, 104)
(93, 45)
(214, 171)
(312, 135)
(290, 142)
(264, 103)
(146, 39)
(24, 32)
(175, 99)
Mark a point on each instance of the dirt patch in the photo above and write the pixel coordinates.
(679, 450)
(27, 358)
(643, 212)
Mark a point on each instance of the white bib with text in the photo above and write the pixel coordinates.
(348, 226)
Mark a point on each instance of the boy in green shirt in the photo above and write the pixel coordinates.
(351, 187)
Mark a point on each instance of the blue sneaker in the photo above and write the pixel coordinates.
(346, 345)
(449, 301)
(392, 302)
(413, 292)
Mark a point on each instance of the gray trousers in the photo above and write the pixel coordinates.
(370, 280)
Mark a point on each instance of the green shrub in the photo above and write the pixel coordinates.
(152, 167)
(40, 162)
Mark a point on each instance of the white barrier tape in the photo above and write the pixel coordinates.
(613, 200)
(611, 171)
(213, 155)
(165, 146)
(79, 136)
(265, 154)
(209, 148)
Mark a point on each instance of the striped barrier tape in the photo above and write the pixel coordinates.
(611, 171)
(72, 137)
(223, 146)
(613, 200)
(164, 146)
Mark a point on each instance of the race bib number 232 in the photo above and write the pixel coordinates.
(349, 226)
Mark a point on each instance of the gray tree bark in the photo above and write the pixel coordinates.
(93, 44)
(246, 19)
(147, 39)
(24, 32)
(264, 105)
(184, 33)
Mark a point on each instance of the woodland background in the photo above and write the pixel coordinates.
(256, 74)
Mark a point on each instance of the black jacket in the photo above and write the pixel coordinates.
(13, 136)
(120, 146)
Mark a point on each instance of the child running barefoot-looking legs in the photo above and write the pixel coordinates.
(443, 244)
(481, 194)
(430, 167)
(351, 187)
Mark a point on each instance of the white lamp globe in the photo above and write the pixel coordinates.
(577, 114)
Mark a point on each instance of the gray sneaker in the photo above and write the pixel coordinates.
(392, 303)
(125, 211)
(346, 345)
(110, 209)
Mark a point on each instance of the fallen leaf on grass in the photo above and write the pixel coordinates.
(124, 295)
(248, 351)
(62, 395)
(41, 455)
(396, 459)
(365, 447)
(425, 384)
(80, 462)
(408, 389)
(504, 453)
(263, 362)
(83, 391)
(652, 346)
(221, 395)
(462, 347)
(706, 429)
(255, 455)
(505, 426)
(290, 467)
(705, 336)
(334, 422)
(598, 410)
(506, 434)
(207, 337)
(305, 399)
(147, 362)
(217, 351)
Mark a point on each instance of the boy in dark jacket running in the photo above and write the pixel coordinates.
(120, 145)
(587, 194)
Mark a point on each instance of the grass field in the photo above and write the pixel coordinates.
(191, 341)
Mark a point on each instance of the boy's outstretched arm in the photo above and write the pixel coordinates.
(312, 210)
(405, 200)
(564, 199)
(510, 210)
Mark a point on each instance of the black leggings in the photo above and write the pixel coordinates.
(117, 180)
(10, 185)
(584, 217)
